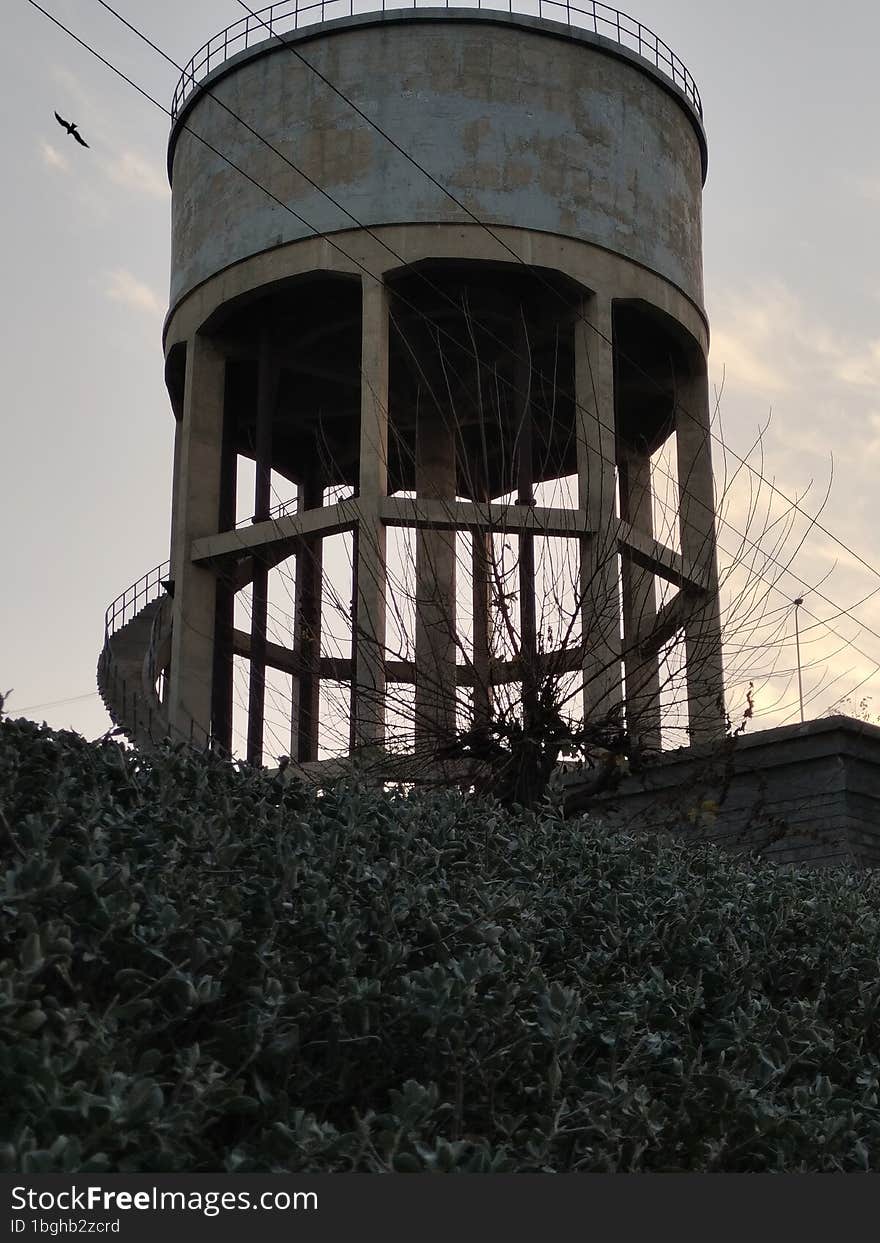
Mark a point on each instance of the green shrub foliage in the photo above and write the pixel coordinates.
(203, 968)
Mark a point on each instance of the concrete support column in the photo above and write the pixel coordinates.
(305, 709)
(266, 394)
(197, 489)
(224, 623)
(596, 455)
(525, 495)
(482, 554)
(435, 588)
(175, 511)
(639, 605)
(705, 670)
(368, 634)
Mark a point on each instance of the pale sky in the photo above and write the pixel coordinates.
(792, 289)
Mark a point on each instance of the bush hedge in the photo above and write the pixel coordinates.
(205, 969)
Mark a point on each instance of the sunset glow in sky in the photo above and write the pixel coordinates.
(792, 267)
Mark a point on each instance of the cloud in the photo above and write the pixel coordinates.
(53, 158)
(862, 367)
(125, 288)
(743, 365)
(768, 343)
(868, 187)
(103, 129)
(73, 89)
(871, 442)
(821, 373)
(141, 176)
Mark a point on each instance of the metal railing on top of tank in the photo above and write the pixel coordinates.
(289, 15)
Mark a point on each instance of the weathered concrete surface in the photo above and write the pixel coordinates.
(595, 268)
(801, 794)
(197, 492)
(527, 123)
(370, 541)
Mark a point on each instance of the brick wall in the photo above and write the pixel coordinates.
(801, 794)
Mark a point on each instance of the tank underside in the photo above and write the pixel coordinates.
(457, 330)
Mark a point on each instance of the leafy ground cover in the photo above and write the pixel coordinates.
(203, 968)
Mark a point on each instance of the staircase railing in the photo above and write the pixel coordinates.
(133, 599)
(135, 702)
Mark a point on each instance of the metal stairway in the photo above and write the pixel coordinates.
(137, 627)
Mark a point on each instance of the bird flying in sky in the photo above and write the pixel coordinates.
(71, 129)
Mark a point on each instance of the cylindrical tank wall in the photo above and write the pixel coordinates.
(526, 122)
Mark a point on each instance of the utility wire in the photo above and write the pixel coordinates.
(54, 703)
(841, 611)
(814, 522)
(537, 275)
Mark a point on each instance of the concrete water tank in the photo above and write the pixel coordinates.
(440, 257)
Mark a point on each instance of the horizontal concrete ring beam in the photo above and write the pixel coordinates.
(275, 534)
(658, 559)
(469, 516)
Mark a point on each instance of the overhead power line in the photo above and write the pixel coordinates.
(839, 610)
(54, 703)
(794, 504)
(537, 275)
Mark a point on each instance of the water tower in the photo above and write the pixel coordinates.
(433, 259)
